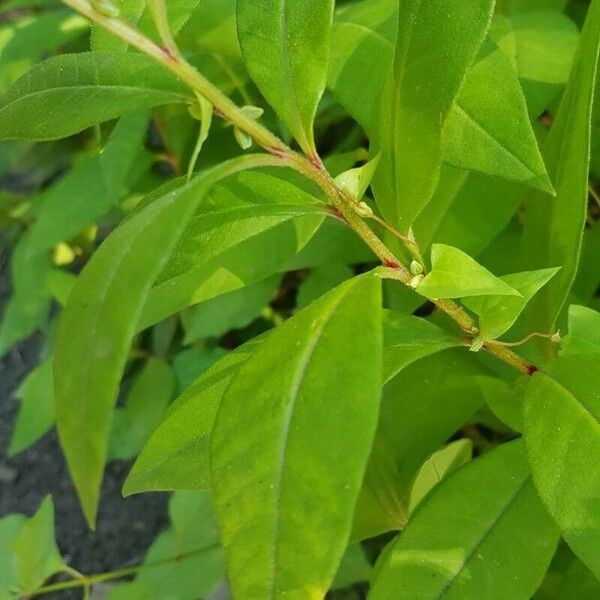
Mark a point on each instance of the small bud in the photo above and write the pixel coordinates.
(416, 281)
(252, 112)
(242, 138)
(416, 268)
(106, 8)
(556, 338)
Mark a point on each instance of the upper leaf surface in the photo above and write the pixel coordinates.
(562, 437)
(426, 79)
(290, 477)
(99, 322)
(455, 274)
(554, 226)
(285, 44)
(68, 93)
(481, 533)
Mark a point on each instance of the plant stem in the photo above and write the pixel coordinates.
(311, 167)
(89, 580)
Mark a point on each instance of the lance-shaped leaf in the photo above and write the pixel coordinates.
(71, 92)
(291, 441)
(497, 314)
(407, 339)
(176, 455)
(482, 533)
(285, 44)
(554, 226)
(489, 112)
(562, 437)
(488, 129)
(426, 79)
(246, 229)
(455, 274)
(413, 424)
(100, 319)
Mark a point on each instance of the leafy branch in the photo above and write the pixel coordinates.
(343, 205)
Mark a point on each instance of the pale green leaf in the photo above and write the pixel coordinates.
(437, 467)
(246, 229)
(482, 533)
(584, 331)
(36, 554)
(422, 407)
(497, 314)
(488, 129)
(455, 274)
(289, 477)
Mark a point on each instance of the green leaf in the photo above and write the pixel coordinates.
(35, 552)
(72, 92)
(455, 274)
(497, 314)
(194, 540)
(146, 404)
(541, 45)
(494, 137)
(176, 455)
(413, 424)
(407, 339)
(353, 569)
(90, 189)
(25, 41)
(100, 320)
(190, 364)
(356, 181)
(246, 229)
(437, 467)
(320, 280)
(554, 227)
(584, 331)
(482, 533)
(10, 526)
(234, 310)
(290, 475)
(562, 437)
(286, 45)
(426, 80)
(36, 416)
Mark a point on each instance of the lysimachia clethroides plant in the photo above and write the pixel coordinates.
(428, 163)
